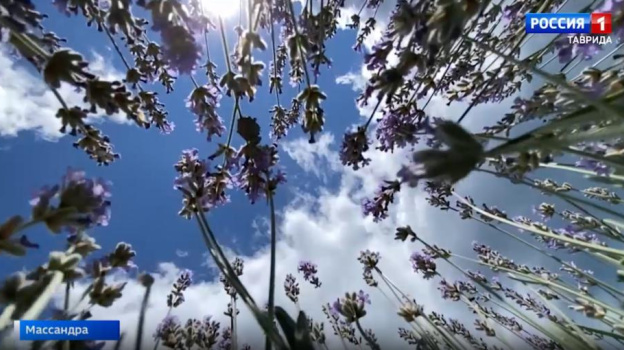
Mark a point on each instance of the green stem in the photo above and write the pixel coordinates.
(224, 266)
(501, 301)
(394, 289)
(226, 50)
(580, 94)
(578, 333)
(56, 278)
(118, 342)
(6, 316)
(296, 29)
(271, 310)
(66, 344)
(541, 281)
(370, 119)
(563, 196)
(274, 55)
(483, 86)
(593, 156)
(580, 171)
(370, 342)
(234, 324)
(614, 292)
(591, 247)
(33, 222)
(141, 323)
(236, 111)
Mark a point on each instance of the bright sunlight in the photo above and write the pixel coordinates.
(223, 8)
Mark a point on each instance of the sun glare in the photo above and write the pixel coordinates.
(223, 8)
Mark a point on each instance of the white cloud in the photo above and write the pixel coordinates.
(181, 253)
(28, 104)
(315, 158)
(357, 81)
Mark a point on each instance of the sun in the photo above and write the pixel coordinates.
(222, 8)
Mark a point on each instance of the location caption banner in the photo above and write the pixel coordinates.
(67, 330)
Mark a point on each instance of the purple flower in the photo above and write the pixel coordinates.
(354, 145)
(351, 307)
(167, 127)
(378, 58)
(203, 102)
(363, 297)
(256, 177)
(180, 50)
(378, 206)
(168, 325)
(202, 190)
(564, 50)
(176, 297)
(591, 164)
(82, 203)
(185, 279)
(424, 264)
(309, 271)
(336, 307)
(398, 128)
(512, 11)
(586, 51)
(226, 339)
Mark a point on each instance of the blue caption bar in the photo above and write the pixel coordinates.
(559, 23)
(68, 330)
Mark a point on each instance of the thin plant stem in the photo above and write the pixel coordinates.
(37, 307)
(580, 171)
(591, 247)
(300, 49)
(6, 316)
(370, 342)
(580, 94)
(496, 296)
(226, 50)
(234, 324)
(370, 119)
(274, 55)
(271, 311)
(542, 281)
(118, 342)
(563, 316)
(561, 195)
(141, 323)
(66, 344)
(606, 287)
(224, 266)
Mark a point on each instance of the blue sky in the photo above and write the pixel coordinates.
(319, 208)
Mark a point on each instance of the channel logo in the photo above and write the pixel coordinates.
(569, 23)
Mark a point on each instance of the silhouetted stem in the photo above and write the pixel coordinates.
(271, 311)
(141, 324)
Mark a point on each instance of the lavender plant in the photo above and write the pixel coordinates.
(462, 51)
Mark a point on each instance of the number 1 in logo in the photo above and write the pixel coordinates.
(601, 23)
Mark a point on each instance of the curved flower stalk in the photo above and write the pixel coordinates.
(614, 253)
